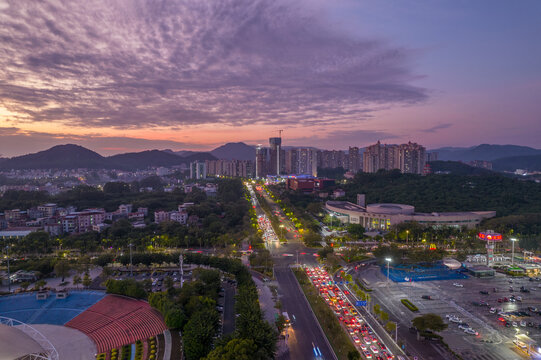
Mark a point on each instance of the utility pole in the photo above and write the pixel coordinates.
(297, 257)
(396, 333)
(131, 263)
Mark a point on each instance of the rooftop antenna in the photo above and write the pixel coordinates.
(280, 133)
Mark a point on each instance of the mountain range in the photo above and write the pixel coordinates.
(503, 157)
(71, 156)
(484, 152)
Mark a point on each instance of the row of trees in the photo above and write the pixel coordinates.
(192, 309)
(222, 220)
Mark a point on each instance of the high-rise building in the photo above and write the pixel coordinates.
(354, 160)
(409, 158)
(331, 159)
(291, 161)
(198, 170)
(307, 161)
(261, 162)
(233, 168)
(276, 159)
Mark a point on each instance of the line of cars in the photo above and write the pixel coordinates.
(367, 342)
(461, 325)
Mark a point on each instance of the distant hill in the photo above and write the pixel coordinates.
(143, 160)
(74, 156)
(484, 152)
(153, 158)
(67, 156)
(234, 151)
(457, 168)
(198, 156)
(531, 163)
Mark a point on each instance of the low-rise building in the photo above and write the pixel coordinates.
(383, 216)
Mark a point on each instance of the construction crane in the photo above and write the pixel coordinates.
(280, 133)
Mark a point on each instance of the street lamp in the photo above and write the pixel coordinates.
(513, 251)
(407, 237)
(282, 230)
(9, 274)
(388, 262)
(331, 215)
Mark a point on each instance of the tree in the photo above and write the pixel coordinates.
(390, 326)
(280, 323)
(116, 188)
(429, 322)
(87, 280)
(77, 280)
(356, 230)
(377, 309)
(175, 318)
(354, 355)
(24, 285)
(62, 268)
(168, 282)
(199, 332)
(40, 284)
(236, 349)
(384, 316)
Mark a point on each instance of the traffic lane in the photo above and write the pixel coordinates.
(307, 330)
(229, 309)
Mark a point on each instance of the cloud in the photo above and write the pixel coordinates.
(18, 142)
(131, 64)
(434, 129)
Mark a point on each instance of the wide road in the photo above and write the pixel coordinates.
(305, 332)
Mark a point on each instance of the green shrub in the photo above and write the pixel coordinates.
(409, 305)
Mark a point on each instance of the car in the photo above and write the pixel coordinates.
(483, 292)
(367, 354)
(471, 332)
(514, 323)
(519, 298)
(363, 347)
(492, 310)
(532, 309)
(500, 300)
(458, 285)
(455, 319)
(523, 323)
(426, 297)
(367, 340)
(463, 327)
(356, 339)
(374, 349)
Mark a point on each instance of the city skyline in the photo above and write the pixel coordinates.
(131, 76)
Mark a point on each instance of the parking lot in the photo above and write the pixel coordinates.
(478, 303)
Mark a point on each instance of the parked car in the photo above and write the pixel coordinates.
(471, 332)
(483, 292)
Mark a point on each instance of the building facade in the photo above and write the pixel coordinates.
(409, 158)
(383, 216)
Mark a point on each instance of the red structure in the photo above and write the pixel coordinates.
(491, 238)
(116, 321)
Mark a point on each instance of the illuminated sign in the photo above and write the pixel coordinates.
(490, 236)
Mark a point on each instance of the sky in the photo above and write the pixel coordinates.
(121, 76)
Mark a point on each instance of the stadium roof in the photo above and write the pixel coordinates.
(14, 343)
